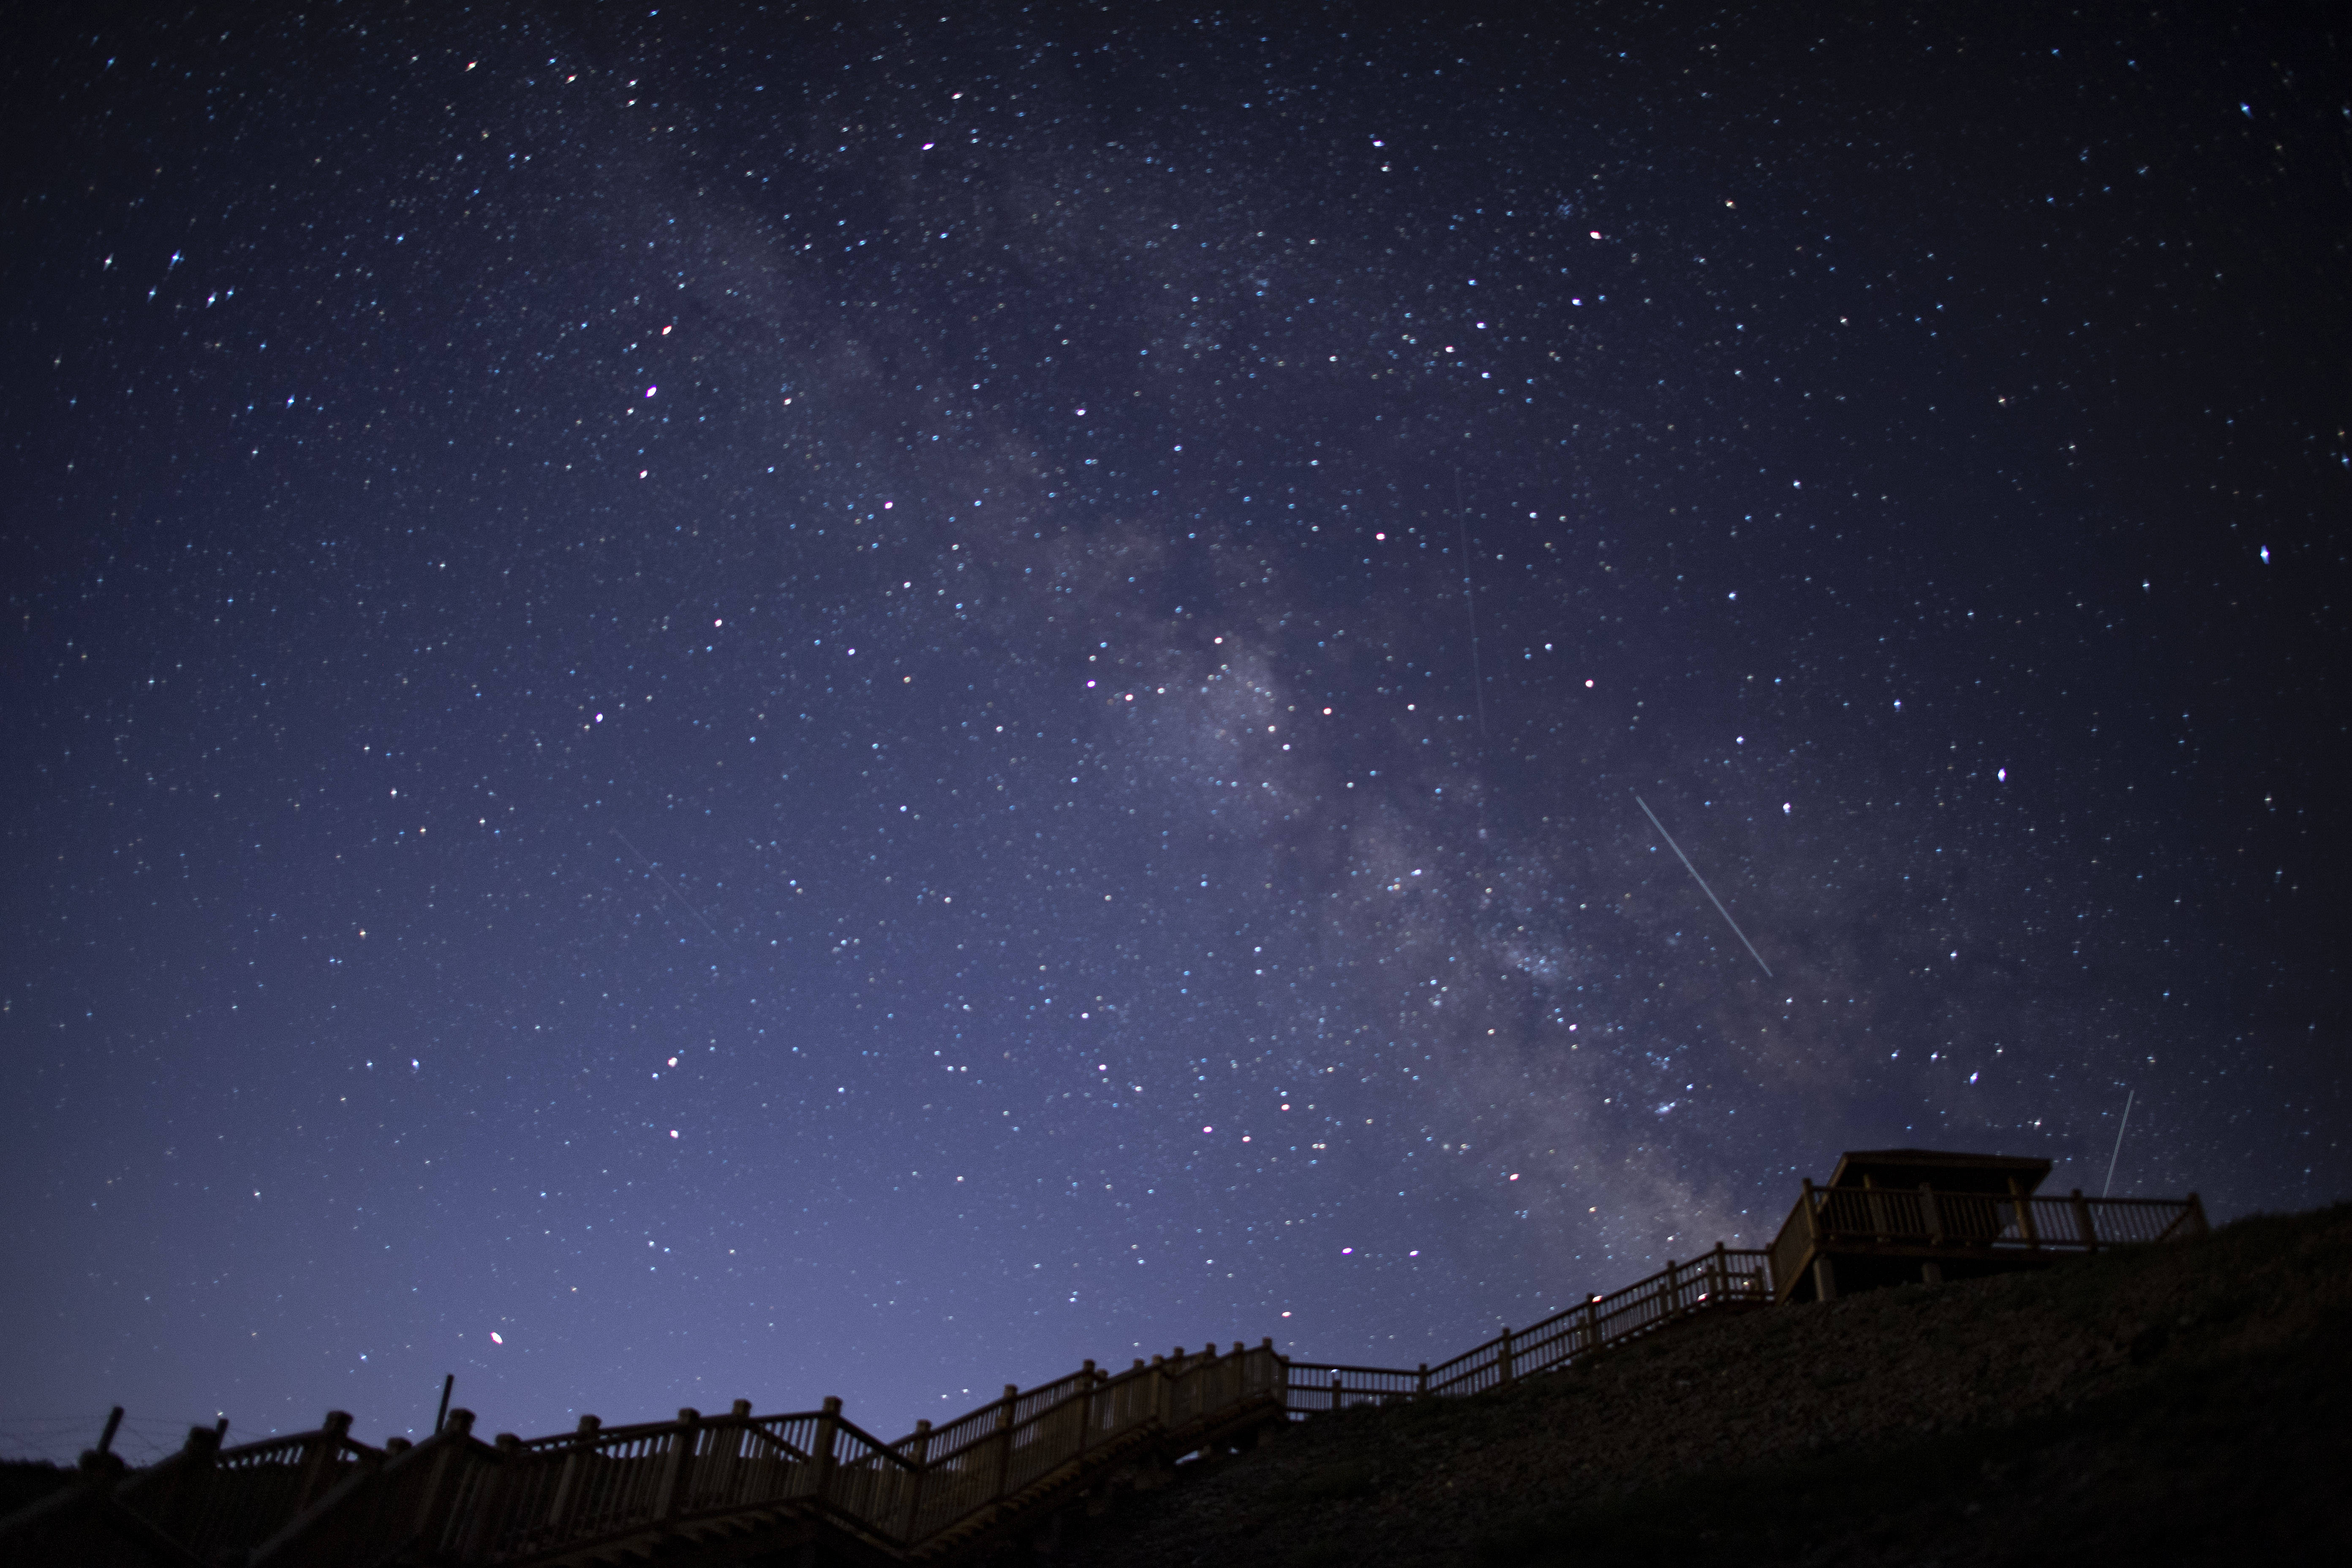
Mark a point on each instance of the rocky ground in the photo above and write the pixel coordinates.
(2184, 1404)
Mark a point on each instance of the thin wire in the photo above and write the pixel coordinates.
(674, 893)
(1703, 886)
(1477, 680)
(2119, 1143)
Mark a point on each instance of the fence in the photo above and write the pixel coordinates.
(319, 1498)
(1725, 1280)
(214, 1499)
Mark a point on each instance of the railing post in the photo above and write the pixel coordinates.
(1420, 1382)
(469, 1537)
(1591, 1325)
(1667, 1291)
(1334, 1392)
(828, 1426)
(1087, 1404)
(677, 1465)
(441, 1484)
(2197, 1226)
(920, 1462)
(191, 1473)
(567, 1484)
(1813, 1214)
(1005, 1437)
(318, 1459)
(1503, 1357)
(725, 1459)
(2083, 1220)
(1932, 1214)
(2024, 1206)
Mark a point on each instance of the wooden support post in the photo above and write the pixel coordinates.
(1931, 1214)
(1824, 1279)
(2024, 1206)
(191, 1471)
(1420, 1382)
(1503, 1357)
(1591, 1324)
(319, 1456)
(724, 1460)
(468, 1537)
(577, 1457)
(1717, 1282)
(1810, 1206)
(2083, 1226)
(1004, 1438)
(677, 1465)
(920, 1461)
(441, 1483)
(1666, 1293)
(828, 1426)
(1335, 1391)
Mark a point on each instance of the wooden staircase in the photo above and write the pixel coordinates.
(729, 1489)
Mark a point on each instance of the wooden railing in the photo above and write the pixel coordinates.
(319, 1498)
(1725, 1280)
(456, 1498)
(217, 1500)
(1963, 1223)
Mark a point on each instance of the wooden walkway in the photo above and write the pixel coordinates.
(723, 1488)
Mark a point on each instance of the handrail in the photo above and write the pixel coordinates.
(1728, 1278)
(2002, 1222)
(405, 1500)
(212, 1500)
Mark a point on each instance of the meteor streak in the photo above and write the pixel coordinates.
(713, 930)
(1703, 886)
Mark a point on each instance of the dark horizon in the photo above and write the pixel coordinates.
(785, 704)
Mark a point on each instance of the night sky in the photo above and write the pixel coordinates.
(711, 704)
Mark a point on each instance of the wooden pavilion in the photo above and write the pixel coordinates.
(1889, 1216)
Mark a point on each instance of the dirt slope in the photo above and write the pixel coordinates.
(2186, 1403)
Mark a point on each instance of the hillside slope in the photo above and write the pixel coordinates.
(2184, 1401)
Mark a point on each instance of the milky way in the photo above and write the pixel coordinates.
(859, 703)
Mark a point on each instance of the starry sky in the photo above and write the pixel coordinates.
(718, 702)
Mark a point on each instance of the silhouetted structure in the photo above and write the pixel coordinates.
(1891, 1216)
(814, 1486)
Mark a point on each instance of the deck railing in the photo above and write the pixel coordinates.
(1923, 1219)
(215, 1500)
